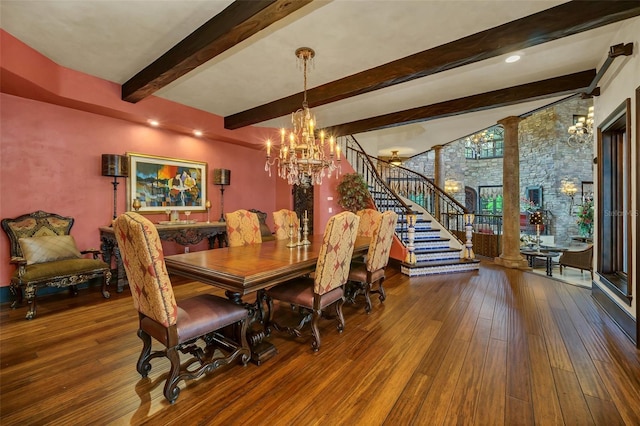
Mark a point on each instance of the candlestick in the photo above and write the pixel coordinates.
(291, 243)
(305, 241)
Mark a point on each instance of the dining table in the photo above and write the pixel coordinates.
(245, 270)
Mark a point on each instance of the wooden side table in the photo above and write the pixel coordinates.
(531, 255)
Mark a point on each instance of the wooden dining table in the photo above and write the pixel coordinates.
(250, 269)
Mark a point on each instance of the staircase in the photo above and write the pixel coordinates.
(437, 250)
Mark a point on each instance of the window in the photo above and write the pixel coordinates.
(614, 207)
(486, 144)
(490, 199)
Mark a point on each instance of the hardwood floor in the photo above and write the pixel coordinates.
(491, 347)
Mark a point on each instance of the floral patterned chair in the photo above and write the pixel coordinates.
(369, 219)
(282, 219)
(313, 295)
(243, 228)
(176, 325)
(363, 275)
(47, 256)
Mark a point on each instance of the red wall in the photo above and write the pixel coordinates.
(56, 123)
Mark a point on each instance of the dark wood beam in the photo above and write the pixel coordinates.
(557, 86)
(237, 22)
(551, 24)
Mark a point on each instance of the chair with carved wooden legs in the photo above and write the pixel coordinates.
(219, 323)
(369, 219)
(312, 296)
(283, 219)
(363, 275)
(243, 228)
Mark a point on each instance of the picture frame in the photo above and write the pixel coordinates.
(165, 183)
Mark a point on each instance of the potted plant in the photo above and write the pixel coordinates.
(353, 193)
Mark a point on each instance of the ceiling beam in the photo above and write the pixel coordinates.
(239, 21)
(545, 26)
(557, 86)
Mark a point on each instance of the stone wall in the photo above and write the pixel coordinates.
(545, 160)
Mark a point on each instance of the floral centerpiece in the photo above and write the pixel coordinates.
(585, 219)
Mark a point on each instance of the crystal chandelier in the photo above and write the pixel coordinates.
(582, 131)
(475, 142)
(302, 159)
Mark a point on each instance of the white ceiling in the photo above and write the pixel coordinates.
(115, 39)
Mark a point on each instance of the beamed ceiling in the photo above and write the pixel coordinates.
(399, 75)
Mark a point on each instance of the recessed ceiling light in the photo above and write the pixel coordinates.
(197, 133)
(153, 123)
(512, 58)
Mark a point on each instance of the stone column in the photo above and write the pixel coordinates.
(510, 257)
(438, 177)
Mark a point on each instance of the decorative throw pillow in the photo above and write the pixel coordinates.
(49, 248)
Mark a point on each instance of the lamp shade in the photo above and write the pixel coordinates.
(221, 177)
(535, 218)
(115, 165)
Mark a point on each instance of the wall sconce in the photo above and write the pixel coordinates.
(221, 177)
(451, 186)
(569, 188)
(116, 166)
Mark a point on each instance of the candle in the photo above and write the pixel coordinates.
(338, 152)
(282, 132)
(306, 216)
(331, 144)
(268, 147)
(311, 125)
(322, 138)
(291, 141)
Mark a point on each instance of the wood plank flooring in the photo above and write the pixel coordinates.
(496, 346)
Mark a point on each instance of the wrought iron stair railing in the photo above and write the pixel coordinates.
(397, 180)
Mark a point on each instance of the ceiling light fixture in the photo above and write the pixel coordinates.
(153, 123)
(513, 58)
(197, 133)
(302, 159)
(582, 130)
(395, 160)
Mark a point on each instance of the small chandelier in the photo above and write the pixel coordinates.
(395, 160)
(302, 159)
(475, 142)
(582, 131)
(568, 188)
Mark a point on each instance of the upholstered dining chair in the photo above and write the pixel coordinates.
(176, 325)
(282, 219)
(313, 295)
(369, 219)
(243, 228)
(363, 275)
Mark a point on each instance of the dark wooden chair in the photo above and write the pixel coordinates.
(219, 323)
(312, 295)
(579, 259)
(364, 275)
(47, 256)
(265, 232)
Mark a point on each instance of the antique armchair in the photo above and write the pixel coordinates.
(178, 326)
(369, 219)
(579, 259)
(47, 256)
(363, 275)
(311, 296)
(243, 228)
(282, 219)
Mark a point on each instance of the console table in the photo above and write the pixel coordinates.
(181, 233)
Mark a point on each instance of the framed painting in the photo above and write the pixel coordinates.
(163, 183)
